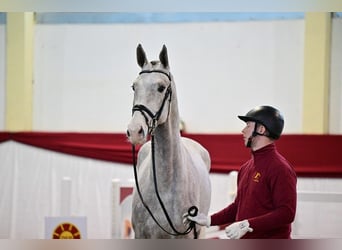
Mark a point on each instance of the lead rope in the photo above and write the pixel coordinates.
(192, 211)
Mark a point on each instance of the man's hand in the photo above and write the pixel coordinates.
(200, 219)
(238, 229)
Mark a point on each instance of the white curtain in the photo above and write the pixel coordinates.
(30, 189)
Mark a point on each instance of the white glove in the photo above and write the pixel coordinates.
(238, 229)
(200, 219)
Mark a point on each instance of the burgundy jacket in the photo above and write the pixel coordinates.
(266, 196)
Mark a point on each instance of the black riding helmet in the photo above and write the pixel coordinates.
(268, 116)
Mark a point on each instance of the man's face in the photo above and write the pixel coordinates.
(248, 131)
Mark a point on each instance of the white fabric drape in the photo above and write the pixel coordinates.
(30, 189)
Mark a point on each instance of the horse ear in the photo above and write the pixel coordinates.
(141, 56)
(163, 57)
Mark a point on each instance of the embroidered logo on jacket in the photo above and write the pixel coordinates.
(256, 177)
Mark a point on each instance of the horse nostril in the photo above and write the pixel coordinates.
(141, 131)
(128, 133)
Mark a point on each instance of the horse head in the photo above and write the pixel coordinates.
(152, 96)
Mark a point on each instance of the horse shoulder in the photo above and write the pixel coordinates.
(194, 146)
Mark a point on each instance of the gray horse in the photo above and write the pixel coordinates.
(181, 177)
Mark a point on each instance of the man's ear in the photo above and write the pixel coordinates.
(262, 129)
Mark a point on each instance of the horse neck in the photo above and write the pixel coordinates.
(168, 143)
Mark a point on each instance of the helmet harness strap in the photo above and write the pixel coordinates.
(254, 134)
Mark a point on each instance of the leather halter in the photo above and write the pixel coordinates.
(144, 110)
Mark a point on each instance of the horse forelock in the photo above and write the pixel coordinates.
(155, 63)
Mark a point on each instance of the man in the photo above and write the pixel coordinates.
(265, 204)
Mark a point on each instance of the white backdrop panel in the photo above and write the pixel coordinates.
(83, 73)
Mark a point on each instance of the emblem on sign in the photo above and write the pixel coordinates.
(66, 231)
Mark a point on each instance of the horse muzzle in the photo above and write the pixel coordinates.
(136, 133)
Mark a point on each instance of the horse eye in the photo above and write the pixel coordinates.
(161, 88)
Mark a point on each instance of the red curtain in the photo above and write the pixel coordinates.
(102, 146)
(311, 155)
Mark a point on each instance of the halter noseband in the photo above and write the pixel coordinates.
(144, 110)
